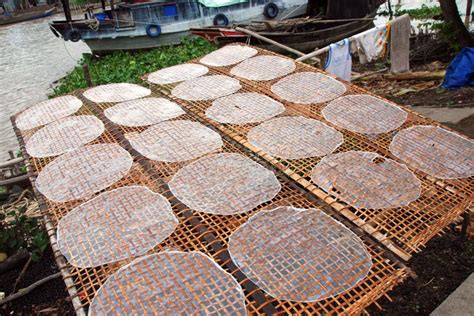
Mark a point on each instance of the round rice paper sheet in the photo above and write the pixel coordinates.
(224, 184)
(295, 137)
(206, 88)
(435, 151)
(143, 112)
(83, 171)
(64, 135)
(174, 141)
(263, 68)
(299, 255)
(367, 180)
(170, 283)
(116, 92)
(308, 88)
(228, 55)
(177, 73)
(115, 225)
(47, 111)
(364, 114)
(243, 108)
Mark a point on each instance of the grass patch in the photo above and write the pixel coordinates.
(130, 66)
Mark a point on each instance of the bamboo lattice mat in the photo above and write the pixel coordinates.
(403, 230)
(209, 233)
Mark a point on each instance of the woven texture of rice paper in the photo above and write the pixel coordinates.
(174, 141)
(364, 114)
(367, 180)
(116, 92)
(83, 171)
(115, 225)
(170, 283)
(263, 68)
(435, 151)
(308, 88)
(243, 108)
(228, 55)
(295, 137)
(48, 111)
(64, 135)
(206, 88)
(299, 255)
(224, 184)
(177, 73)
(143, 112)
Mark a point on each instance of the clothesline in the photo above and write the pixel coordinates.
(350, 39)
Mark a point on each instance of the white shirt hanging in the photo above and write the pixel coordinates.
(339, 60)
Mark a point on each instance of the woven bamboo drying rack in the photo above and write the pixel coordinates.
(404, 230)
(209, 233)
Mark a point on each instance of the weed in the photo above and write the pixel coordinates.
(130, 66)
(18, 231)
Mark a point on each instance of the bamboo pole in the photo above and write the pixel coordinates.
(270, 41)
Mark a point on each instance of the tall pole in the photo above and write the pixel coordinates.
(67, 10)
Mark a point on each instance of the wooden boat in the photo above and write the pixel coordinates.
(141, 25)
(338, 20)
(27, 14)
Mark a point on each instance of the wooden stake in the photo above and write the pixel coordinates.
(87, 75)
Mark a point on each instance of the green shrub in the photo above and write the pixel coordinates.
(18, 231)
(130, 66)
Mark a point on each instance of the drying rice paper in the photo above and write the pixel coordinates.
(224, 184)
(435, 151)
(308, 88)
(243, 108)
(80, 173)
(177, 73)
(116, 92)
(299, 255)
(228, 55)
(115, 225)
(367, 180)
(295, 137)
(174, 141)
(206, 88)
(263, 68)
(64, 135)
(47, 112)
(170, 283)
(364, 114)
(143, 112)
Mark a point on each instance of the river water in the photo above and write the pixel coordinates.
(32, 58)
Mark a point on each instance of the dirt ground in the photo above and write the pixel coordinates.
(48, 299)
(440, 268)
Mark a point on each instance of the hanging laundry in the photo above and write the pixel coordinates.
(400, 44)
(372, 44)
(339, 60)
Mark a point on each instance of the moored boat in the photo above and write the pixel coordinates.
(131, 26)
(27, 14)
(334, 21)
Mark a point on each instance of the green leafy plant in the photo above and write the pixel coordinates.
(18, 231)
(130, 66)
(422, 13)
